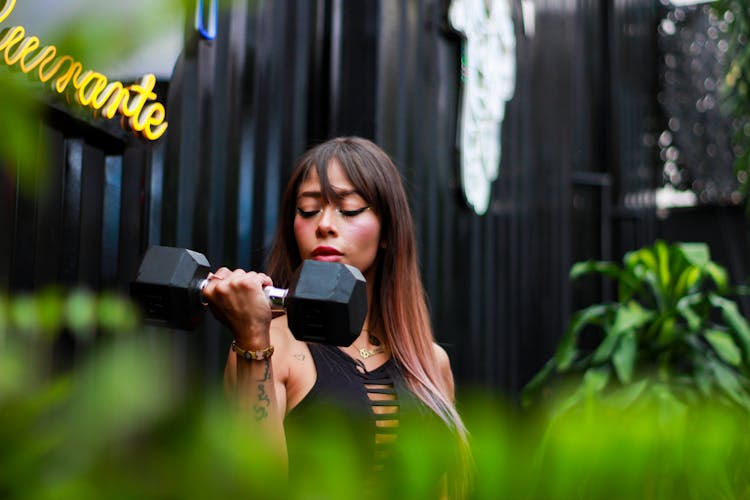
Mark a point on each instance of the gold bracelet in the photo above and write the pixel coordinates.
(258, 355)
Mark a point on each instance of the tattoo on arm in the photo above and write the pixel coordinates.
(267, 372)
(262, 396)
(261, 412)
(263, 400)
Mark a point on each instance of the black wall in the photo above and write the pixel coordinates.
(282, 75)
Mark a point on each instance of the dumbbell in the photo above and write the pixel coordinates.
(326, 301)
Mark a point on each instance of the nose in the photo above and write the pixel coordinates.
(327, 222)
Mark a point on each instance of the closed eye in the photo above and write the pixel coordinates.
(306, 214)
(352, 213)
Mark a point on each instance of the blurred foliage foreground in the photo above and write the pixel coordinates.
(117, 424)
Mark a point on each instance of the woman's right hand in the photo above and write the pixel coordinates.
(236, 298)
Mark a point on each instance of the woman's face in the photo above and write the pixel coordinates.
(346, 230)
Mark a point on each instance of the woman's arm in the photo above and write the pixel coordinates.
(236, 298)
(256, 390)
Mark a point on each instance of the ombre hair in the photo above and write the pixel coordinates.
(398, 304)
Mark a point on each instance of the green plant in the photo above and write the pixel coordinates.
(674, 333)
(120, 424)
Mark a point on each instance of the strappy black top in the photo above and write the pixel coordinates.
(357, 413)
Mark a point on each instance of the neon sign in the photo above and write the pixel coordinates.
(136, 103)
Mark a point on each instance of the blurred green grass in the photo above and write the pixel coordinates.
(119, 424)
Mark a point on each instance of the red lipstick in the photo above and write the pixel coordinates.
(326, 253)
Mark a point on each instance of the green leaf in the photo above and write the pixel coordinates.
(604, 351)
(701, 372)
(628, 285)
(22, 312)
(735, 320)
(687, 280)
(3, 322)
(684, 308)
(666, 330)
(50, 308)
(631, 316)
(624, 357)
(662, 253)
(595, 379)
(627, 318)
(719, 275)
(80, 311)
(624, 397)
(643, 256)
(729, 382)
(115, 313)
(569, 402)
(565, 353)
(591, 266)
(648, 274)
(697, 254)
(724, 346)
(21, 155)
(624, 278)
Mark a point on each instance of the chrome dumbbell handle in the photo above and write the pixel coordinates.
(275, 296)
(201, 285)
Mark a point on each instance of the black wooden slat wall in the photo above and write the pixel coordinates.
(634, 86)
(238, 109)
(498, 284)
(282, 75)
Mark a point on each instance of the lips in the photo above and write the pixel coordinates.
(324, 253)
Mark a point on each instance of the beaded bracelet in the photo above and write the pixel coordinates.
(258, 355)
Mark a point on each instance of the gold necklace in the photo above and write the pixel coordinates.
(366, 353)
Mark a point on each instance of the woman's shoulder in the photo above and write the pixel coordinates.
(441, 355)
(442, 359)
(444, 367)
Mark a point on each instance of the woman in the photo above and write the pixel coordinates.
(344, 203)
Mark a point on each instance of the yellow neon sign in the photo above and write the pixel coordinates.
(134, 102)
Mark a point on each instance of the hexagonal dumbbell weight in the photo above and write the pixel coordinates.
(326, 302)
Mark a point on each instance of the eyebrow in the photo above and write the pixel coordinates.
(339, 193)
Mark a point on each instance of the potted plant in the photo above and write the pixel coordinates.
(674, 332)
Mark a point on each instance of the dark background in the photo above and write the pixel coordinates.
(581, 157)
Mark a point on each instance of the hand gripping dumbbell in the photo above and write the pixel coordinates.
(326, 301)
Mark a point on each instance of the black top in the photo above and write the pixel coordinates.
(355, 415)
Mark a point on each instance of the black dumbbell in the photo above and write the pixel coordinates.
(326, 302)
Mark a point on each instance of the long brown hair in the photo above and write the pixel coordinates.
(398, 303)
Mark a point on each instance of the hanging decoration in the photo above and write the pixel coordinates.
(488, 74)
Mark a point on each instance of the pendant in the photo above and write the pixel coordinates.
(365, 353)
